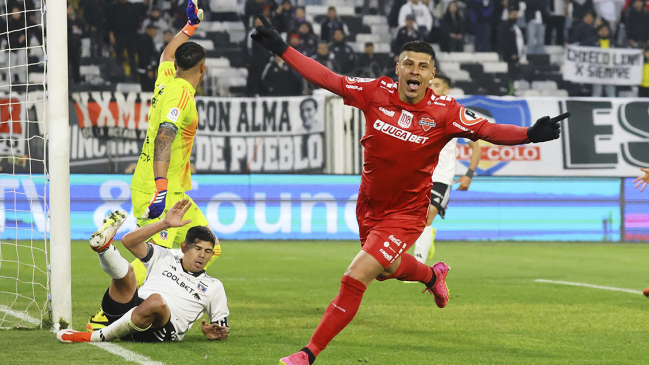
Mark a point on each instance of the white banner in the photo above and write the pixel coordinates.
(610, 66)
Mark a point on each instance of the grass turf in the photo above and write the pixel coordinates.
(497, 314)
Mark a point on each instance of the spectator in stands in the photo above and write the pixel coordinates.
(406, 34)
(637, 25)
(556, 21)
(298, 18)
(453, 27)
(611, 11)
(123, 23)
(17, 40)
(584, 32)
(32, 14)
(330, 24)
(580, 8)
(393, 16)
(605, 41)
(75, 32)
(148, 56)
(535, 16)
(480, 19)
(283, 17)
(367, 64)
(161, 25)
(343, 52)
(308, 40)
(252, 10)
(510, 41)
(95, 17)
(257, 58)
(280, 79)
(381, 8)
(326, 58)
(421, 13)
(644, 86)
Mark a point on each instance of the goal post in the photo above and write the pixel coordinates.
(58, 142)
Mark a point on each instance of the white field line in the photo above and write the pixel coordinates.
(128, 355)
(632, 291)
(20, 315)
(114, 349)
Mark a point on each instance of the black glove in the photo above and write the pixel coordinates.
(546, 129)
(268, 37)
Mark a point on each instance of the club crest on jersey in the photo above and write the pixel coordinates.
(202, 287)
(405, 120)
(164, 235)
(427, 123)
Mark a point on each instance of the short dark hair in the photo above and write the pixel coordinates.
(369, 44)
(419, 47)
(202, 233)
(189, 54)
(332, 8)
(444, 78)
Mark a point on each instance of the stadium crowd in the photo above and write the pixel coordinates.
(127, 37)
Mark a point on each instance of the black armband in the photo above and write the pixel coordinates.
(470, 173)
(168, 125)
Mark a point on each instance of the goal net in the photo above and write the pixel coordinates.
(24, 212)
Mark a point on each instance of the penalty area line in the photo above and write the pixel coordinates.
(128, 355)
(632, 291)
(20, 315)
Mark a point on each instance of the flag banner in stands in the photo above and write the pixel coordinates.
(22, 124)
(244, 207)
(602, 137)
(608, 66)
(234, 135)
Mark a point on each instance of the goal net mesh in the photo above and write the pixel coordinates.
(24, 213)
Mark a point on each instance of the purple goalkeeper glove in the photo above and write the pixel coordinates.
(194, 16)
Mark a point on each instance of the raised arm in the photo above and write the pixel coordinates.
(135, 241)
(194, 16)
(308, 68)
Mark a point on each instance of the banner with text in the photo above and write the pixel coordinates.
(235, 135)
(602, 137)
(609, 66)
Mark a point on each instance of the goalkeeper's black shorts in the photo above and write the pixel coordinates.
(114, 311)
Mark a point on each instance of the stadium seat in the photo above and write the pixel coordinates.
(544, 85)
(206, 43)
(217, 62)
(449, 66)
(459, 75)
(375, 20)
(313, 10)
(124, 87)
(495, 67)
(455, 92)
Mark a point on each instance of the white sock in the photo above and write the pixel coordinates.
(118, 329)
(423, 243)
(113, 263)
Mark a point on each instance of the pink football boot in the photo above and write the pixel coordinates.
(439, 290)
(298, 358)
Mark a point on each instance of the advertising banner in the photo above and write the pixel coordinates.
(22, 146)
(244, 207)
(609, 66)
(235, 135)
(602, 137)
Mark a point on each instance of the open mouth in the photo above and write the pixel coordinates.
(413, 85)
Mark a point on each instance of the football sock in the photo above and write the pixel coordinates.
(113, 263)
(339, 313)
(411, 270)
(309, 354)
(423, 243)
(117, 329)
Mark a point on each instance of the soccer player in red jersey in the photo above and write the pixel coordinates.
(407, 126)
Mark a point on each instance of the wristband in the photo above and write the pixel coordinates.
(189, 29)
(470, 173)
(161, 183)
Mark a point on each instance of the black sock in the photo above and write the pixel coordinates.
(432, 280)
(310, 354)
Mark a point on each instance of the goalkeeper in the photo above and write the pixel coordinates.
(162, 176)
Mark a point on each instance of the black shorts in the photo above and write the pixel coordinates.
(439, 195)
(114, 311)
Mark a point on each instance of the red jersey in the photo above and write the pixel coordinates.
(402, 141)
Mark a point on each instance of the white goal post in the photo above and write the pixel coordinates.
(58, 141)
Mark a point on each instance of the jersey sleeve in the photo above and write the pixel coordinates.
(154, 254)
(462, 122)
(175, 107)
(357, 92)
(218, 307)
(166, 72)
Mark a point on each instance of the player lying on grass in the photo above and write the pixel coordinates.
(175, 293)
(407, 127)
(443, 179)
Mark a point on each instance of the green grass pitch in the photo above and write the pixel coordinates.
(497, 313)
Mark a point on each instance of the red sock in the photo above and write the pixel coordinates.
(339, 313)
(411, 270)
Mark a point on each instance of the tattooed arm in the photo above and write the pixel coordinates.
(162, 149)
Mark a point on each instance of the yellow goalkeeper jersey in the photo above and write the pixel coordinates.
(173, 102)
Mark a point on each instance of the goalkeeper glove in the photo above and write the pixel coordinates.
(159, 200)
(546, 129)
(194, 16)
(268, 37)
